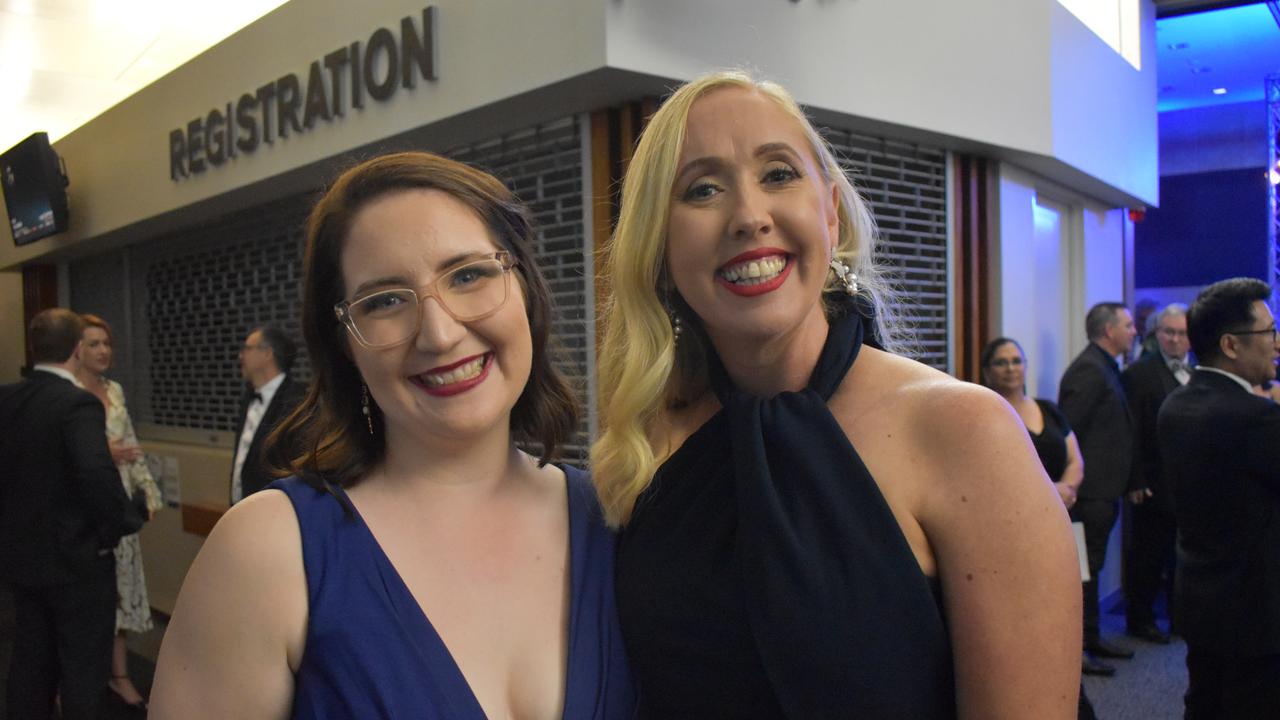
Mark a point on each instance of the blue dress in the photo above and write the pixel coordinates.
(372, 653)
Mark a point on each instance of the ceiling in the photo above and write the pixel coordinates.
(1231, 50)
(65, 61)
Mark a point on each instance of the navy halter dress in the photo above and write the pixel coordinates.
(762, 574)
(372, 653)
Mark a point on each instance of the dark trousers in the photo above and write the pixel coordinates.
(62, 645)
(1149, 552)
(1232, 688)
(1098, 516)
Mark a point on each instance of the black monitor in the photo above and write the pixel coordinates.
(35, 189)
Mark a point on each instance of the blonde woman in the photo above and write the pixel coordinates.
(812, 526)
(133, 609)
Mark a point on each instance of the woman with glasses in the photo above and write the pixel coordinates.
(418, 564)
(1004, 369)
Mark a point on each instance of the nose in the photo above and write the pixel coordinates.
(750, 212)
(438, 331)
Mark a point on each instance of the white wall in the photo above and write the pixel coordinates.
(487, 51)
(1009, 80)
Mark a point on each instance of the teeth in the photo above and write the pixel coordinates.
(458, 374)
(754, 272)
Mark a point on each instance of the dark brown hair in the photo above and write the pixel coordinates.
(54, 335)
(328, 430)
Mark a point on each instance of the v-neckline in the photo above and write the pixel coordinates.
(402, 595)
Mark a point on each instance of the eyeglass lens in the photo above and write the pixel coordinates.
(468, 292)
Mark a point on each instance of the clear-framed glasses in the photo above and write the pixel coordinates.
(471, 291)
(1170, 332)
(1005, 363)
(1272, 331)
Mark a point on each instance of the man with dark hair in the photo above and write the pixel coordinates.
(62, 511)
(265, 361)
(1092, 397)
(1149, 548)
(1220, 448)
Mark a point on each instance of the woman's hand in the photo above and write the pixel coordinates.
(122, 454)
(1066, 492)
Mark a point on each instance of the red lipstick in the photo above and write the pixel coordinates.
(457, 387)
(759, 288)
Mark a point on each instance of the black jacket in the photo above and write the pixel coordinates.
(61, 499)
(1092, 397)
(1147, 383)
(1220, 447)
(254, 475)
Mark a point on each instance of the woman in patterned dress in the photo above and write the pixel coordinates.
(133, 611)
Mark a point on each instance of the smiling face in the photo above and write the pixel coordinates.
(451, 379)
(95, 350)
(753, 221)
(1006, 372)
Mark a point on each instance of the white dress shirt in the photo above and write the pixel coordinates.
(252, 418)
(1238, 380)
(60, 372)
(1180, 369)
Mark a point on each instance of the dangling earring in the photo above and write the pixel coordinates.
(677, 326)
(846, 275)
(364, 406)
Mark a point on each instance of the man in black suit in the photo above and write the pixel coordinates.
(1149, 550)
(265, 361)
(1220, 448)
(1092, 398)
(62, 511)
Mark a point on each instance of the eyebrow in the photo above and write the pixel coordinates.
(711, 162)
(400, 281)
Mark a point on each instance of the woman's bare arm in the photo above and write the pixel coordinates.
(1006, 558)
(237, 632)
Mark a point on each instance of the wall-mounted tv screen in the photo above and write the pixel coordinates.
(35, 189)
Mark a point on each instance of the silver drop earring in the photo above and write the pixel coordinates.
(846, 275)
(364, 406)
(677, 326)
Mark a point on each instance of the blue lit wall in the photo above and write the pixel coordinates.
(1209, 226)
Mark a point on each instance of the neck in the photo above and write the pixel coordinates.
(1013, 396)
(1107, 347)
(1226, 365)
(783, 363)
(87, 377)
(263, 379)
(482, 463)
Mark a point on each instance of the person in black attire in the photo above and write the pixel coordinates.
(265, 361)
(812, 527)
(62, 511)
(1004, 369)
(1220, 450)
(1149, 549)
(1092, 398)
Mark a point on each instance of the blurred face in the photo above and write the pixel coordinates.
(255, 357)
(753, 223)
(1007, 370)
(1255, 347)
(95, 350)
(451, 379)
(1120, 333)
(1171, 333)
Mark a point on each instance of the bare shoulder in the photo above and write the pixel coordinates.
(946, 409)
(237, 632)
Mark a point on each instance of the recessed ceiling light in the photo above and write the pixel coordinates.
(1219, 91)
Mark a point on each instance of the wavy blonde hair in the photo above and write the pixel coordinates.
(638, 360)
